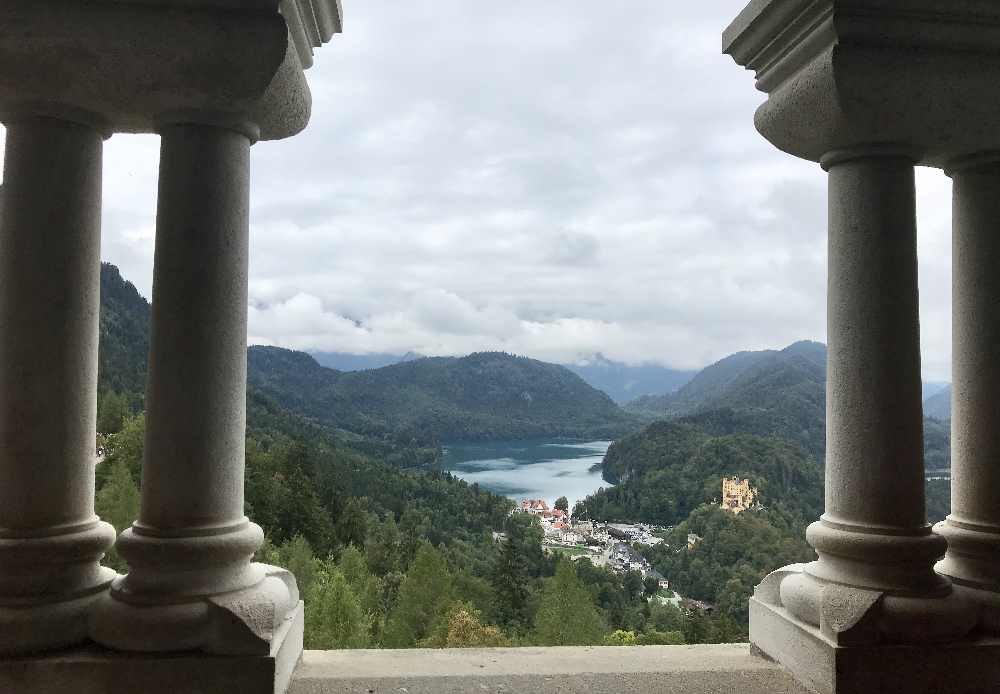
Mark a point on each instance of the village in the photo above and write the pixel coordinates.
(614, 545)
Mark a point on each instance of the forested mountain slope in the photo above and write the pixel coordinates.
(771, 393)
(938, 405)
(748, 379)
(415, 403)
(383, 556)
(622, 382)
(718, 424)
(124, 335)
(483, 396)
(670, 468)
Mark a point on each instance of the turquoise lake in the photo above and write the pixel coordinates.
(530, 469)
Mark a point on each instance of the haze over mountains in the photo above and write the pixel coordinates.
(938, 405)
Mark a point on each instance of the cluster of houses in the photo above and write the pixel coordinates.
(623, 558)
(606, 544)
(612, 544)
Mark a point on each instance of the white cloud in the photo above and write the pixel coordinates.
(554, 179)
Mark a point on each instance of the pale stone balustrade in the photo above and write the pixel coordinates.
(869, 89)
(211, 77)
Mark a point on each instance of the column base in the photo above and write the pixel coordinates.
(973, 565)
(95, 670)
(814, 659)
(240, 622)
(50, 626)
(988, 602)
(48, 585)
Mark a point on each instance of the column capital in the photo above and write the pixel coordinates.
(981, 161)
(25, 110)
(873, 150)
(238, 123)
(839, 73)
(133, 62)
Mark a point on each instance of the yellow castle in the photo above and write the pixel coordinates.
(737, 494)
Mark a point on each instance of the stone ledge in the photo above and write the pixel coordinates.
(712, 669)
(95, 670)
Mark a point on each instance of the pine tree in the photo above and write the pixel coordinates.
(112, 411)
(567, 615)
(382, 551)
(333, 614)
(367, 587)
(510, 585)
(423, 596)
(297, 557)
(351, 527)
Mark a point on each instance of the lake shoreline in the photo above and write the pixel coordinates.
(530, 468)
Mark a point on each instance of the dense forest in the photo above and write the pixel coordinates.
(485, 396)
(732, 379)
(124, 335)
(389, 551)
(779, 393)
(622, 382)
(665, 472)
(755, 415)
(387, 556)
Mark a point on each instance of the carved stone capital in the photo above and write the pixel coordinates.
(839, 73)
(132, 61)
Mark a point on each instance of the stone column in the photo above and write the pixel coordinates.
(874, 578)
(973, 528)
(874, 531)
(51, 542)
(192, 584)
(840, 76)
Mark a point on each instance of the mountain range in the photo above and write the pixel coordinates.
(744, 415)
(622, 382)
(415, 403)
(483, 396)
(938, 405)
(418, 402)
(767, 393)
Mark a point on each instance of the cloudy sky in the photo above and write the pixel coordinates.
(552, 178)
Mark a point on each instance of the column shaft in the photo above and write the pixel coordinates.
(196, 414)
(874, 532)
(874, 472)
(192, 584)
(50, 539)
(973, 528)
